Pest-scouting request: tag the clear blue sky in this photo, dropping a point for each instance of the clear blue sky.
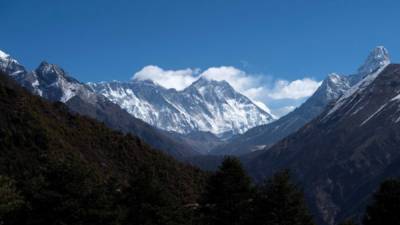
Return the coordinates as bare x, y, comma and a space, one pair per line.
105, 40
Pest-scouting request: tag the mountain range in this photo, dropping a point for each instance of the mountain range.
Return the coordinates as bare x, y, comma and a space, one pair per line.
207, 117
206, 106
178, 122
333, 86
54, 84
342, 155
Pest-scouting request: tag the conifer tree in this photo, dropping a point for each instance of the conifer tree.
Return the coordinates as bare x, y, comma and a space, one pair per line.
385, 207
10, 200
228, 195
279, 201
145, 201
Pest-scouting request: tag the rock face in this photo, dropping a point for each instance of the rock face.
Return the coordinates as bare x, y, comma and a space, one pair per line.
331, 89
206, 106
342, 155
53, 83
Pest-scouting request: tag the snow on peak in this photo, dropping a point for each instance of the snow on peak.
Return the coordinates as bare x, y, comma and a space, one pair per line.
265, 108
4, 55
375, 63
46, 67
204, 82
206, 105
52, 77
334, 77
378, 58
358, 87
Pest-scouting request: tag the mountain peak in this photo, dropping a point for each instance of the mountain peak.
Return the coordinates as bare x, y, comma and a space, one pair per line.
45, 66
4, 55
204, 81
219, 89
377, 58
334, 77
205, 106
52, 71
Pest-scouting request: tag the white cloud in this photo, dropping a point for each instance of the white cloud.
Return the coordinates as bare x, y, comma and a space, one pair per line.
240, 80
296, 89
178, 79
279, 112
261, 89
251, 86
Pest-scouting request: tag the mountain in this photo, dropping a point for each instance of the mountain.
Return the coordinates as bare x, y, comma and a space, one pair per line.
70, 169
262, 137
341, 156
206, 106
53, 83
13, 68
201, 142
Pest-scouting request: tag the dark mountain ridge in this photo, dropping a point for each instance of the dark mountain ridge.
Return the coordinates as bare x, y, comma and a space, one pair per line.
341, 156
263, 137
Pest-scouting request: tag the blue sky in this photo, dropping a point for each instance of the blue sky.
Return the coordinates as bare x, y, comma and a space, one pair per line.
275, 40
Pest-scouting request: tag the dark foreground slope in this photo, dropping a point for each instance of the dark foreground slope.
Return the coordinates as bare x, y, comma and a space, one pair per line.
64, 165
342, 155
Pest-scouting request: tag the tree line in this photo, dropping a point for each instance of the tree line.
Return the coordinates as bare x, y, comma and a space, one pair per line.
67, 194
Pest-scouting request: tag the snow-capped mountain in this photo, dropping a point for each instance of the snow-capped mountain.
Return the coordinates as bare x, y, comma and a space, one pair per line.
10, 65
374, 65
13, 68
48, 80
333, 87
206, 105
378, 58
54, 84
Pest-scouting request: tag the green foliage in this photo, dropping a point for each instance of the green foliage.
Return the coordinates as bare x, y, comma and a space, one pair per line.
11, 202
228, 195
385, 207
146, 202
67, 192
279, 201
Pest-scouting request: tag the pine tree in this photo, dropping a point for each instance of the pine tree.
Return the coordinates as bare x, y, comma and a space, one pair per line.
10, 201
228, 195
279, 201
385, 207
145, 201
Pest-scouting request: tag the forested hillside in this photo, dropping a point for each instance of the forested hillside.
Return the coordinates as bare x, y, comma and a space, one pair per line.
68, 169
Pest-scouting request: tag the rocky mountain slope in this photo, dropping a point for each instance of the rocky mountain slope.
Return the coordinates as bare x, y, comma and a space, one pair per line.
206, 106
341, 156
261, 137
